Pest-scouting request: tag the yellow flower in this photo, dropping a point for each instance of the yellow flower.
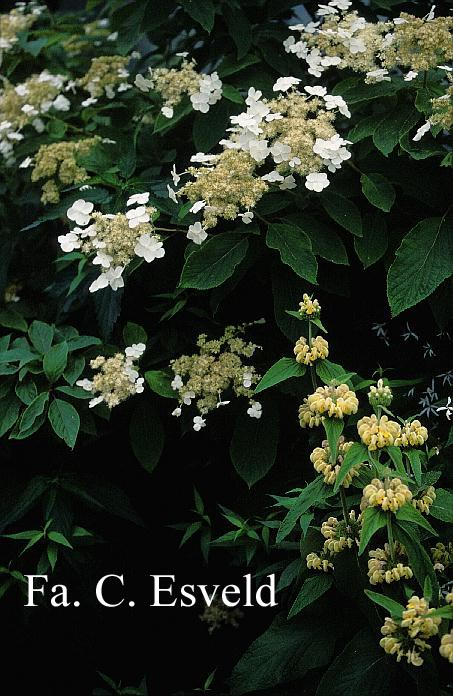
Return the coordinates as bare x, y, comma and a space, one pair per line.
407, 637
412, 434
334, 402
320, 459
339, 535
390, 494
380, 395
316, 562
426, 500
442, 555
308, 307
381, 568
376, 433
446, 646
307, 418
307, 354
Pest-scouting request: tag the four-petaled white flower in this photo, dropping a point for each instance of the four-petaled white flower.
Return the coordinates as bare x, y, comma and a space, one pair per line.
288, 183
61, 103
411, 75
247, 379
142, 83
136, 216
80, 212
69, 242
316, 91
283, 84
138, 199
172, 194
149, 247
27, 162
102, 259
317, 181
198, 423
255, 410
167, 111
280, 152
176, 383
196, 233
89, 101
85, 384
111, 278
136, 350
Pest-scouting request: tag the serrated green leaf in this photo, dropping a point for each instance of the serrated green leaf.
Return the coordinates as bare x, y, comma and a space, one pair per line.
295, 249
311, 590
378, 190
55, 361
283, 369
214, 261
64, 420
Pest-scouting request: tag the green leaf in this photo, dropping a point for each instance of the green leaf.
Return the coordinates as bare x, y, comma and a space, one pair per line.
313, 588
373, 245
328, 371
146, 435
363, 129
214, 261
9, 410
239, 29
201, 12
55, 361
284, 652
414, 459
35, 409
253, 447
64, 420
128, 21
295, 249
356, 454
41, 335
334, 428
11, 319
397, 458
52, 555
313, 494
393, 126
422, 262
442, 508
325, 241
283, 369
407, 513
209, 128
361, 668
160, 383
378, 190
59, 538
79, 342
418, 559
134, 333
26, 391
395, 609
343, 211
374, 519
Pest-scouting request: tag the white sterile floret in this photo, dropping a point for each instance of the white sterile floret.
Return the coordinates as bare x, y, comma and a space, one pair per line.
175, 176
176, 383
167, 111
246, 217
89, 101
112, 277
422, 130
280, 152
138, 199
288, 183
69, 242
198, 423
85, 384
258, 149
197, 206
333, 102
27, 162
149, 247
136, 350
136, 216
187, 397
411, 75
316, 181
378, 75
177, 412
80, 212
255, 410
316, 91
142, 83
196, 233
61, 103
283, 84
201, 158
272, 177
172, 194
247, 380
103, 259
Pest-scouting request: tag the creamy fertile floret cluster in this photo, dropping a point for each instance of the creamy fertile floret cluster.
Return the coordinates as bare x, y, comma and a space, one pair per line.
172, 83
268, 144
112, 241
57, 163
21, 18
217, 368
320, 458
383, 568
25, 104
116, 378
344, 39
107, 75
407, 638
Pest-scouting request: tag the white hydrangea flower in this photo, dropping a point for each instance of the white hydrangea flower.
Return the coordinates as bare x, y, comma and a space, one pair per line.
177, 412
135, 351
89, 101
283, 84
176, 383
138, 199
112, 278
167, 111
280, 152
422, 130
80, 212
334, 102
272, 177
187, 397
288, 183
172, 194
68, 242
247, 380
61, 103
142, 83
137, 216
102, 259
246, 217
149, 247
198, 423
316, 91
258, 149
27, 162
317, 181
196, 233
85, 384
255, 410
197, 206
378, 75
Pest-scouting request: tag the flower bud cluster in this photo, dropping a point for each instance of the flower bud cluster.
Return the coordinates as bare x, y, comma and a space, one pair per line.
380, 395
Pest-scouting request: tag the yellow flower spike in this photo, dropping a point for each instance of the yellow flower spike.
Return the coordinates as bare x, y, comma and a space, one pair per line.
376, 432
390, 494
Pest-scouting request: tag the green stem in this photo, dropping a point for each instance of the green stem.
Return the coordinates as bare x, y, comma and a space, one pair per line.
390, 536
312, 368
344, 505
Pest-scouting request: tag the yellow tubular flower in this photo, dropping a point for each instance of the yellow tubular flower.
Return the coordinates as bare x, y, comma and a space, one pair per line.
315, 562
390, 494
307, 419
376, 433
307, 354
308, 307
442, 555
407, 638
413, 434
426, 500
338, 534
334, 402
381, 569
446, 646
320, 459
